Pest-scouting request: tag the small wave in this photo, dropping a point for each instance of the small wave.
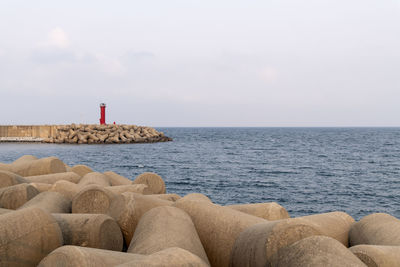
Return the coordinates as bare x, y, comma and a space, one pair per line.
325, 174
280, 172
305, 168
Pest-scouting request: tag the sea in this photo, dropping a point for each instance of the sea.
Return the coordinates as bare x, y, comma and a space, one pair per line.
306, 170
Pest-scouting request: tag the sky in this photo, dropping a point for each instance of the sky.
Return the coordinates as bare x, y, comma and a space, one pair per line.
278, 63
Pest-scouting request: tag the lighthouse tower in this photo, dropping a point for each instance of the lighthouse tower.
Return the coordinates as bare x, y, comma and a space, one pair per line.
102, 113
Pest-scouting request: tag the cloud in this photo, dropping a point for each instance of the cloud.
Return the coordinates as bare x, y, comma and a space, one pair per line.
52, 55
57, 38
54, 49
138, 56
269, 74
110, 65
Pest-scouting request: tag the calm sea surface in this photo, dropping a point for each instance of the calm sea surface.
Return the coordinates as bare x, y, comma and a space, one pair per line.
307, 170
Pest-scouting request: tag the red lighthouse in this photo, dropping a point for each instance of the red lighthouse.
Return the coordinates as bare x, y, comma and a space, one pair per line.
102, 113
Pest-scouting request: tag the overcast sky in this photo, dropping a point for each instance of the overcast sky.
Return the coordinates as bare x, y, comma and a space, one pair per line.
201, 63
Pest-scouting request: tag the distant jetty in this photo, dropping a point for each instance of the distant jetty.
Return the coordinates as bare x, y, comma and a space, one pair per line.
81, 134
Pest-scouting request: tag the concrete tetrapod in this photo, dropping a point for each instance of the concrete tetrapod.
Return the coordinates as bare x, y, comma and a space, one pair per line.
170, 257
15, 196
166, 227
81, 170
76, 256
333, 224
217, 226
96, 199
25, 158
316, 251
41, 187
65, 188
54, 177
128, 213
36, 167
116, 179
7, 166
270, 211
374, 256
90, 230
94, 178
256, 245
27, 236
67, 167
51, 202
153, 181
8, 179
4, 211
134, 188
169, 197
196, 197
376, 229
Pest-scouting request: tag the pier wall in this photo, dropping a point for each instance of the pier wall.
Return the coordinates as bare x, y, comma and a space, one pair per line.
36, 131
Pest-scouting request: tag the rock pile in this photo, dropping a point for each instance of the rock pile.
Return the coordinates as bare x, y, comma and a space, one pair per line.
105, 134
55, 215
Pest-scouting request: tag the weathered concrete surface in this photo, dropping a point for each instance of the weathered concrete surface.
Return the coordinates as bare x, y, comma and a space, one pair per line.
9, 178
81, 170
196, 197
4, 211
116, 179
65, 188
41, 187
94, 198
36, 131
374, 256
170, 257
335, 224
256, 245
169, 197
166, 227
51, 202
315, 251
27, 236
15, 196
154, 182
217, 226
83, 257
134, 188
270, 211
90, 230
25, 158
54, 177
94, 178
35, 167
128, 213
376, 229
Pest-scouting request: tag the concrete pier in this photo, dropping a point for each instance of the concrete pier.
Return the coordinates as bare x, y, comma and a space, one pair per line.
81, 134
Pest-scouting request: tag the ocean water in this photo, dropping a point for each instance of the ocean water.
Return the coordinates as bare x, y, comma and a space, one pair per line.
307, 170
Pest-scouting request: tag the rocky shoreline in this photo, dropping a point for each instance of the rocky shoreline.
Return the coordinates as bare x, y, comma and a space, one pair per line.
52, 214
105, 134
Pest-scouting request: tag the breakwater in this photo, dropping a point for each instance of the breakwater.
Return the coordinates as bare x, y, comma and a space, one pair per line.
82, 134
75, 216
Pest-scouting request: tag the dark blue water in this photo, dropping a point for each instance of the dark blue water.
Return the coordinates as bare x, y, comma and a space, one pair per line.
307, 170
